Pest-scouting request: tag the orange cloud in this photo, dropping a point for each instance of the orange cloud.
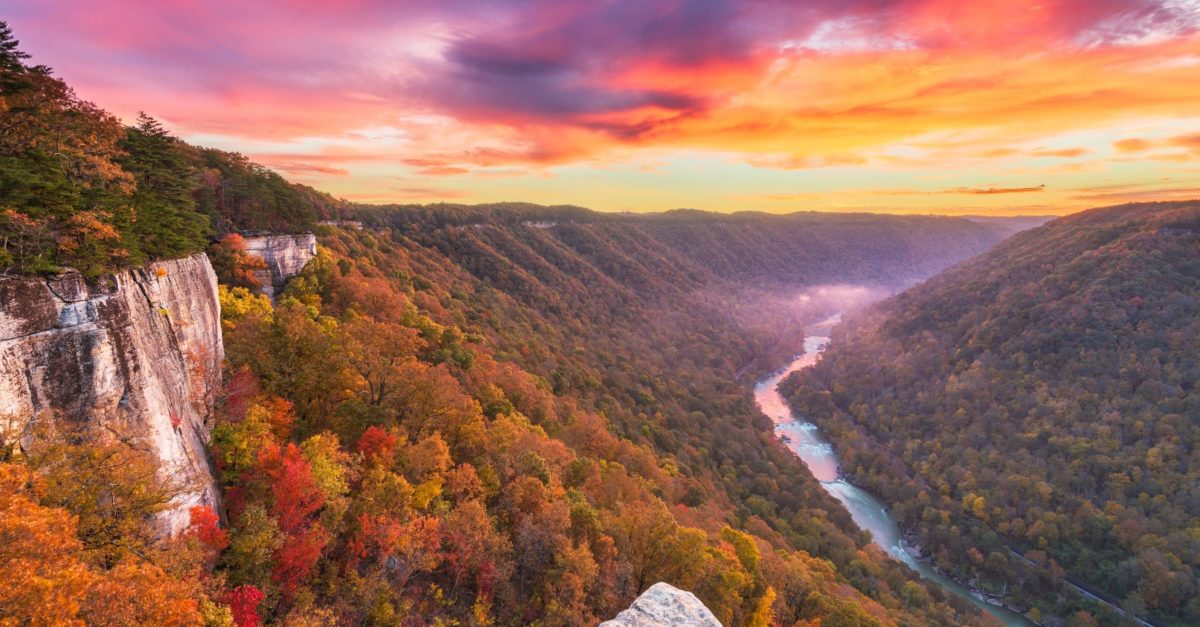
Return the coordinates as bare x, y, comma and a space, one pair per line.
1136, 193
980, 191
994, 190
1132, 144
308, 169
1186, 141
1066, 152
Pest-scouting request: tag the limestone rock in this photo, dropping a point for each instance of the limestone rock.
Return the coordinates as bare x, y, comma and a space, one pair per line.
285, 256
137, 355
664, 604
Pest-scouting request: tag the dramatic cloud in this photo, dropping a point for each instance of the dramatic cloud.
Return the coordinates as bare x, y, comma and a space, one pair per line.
355, 96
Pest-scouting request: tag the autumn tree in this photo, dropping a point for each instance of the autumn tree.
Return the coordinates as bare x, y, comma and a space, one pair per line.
233, 265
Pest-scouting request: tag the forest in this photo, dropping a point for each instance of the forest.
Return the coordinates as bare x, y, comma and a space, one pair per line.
503, 415
1035, 409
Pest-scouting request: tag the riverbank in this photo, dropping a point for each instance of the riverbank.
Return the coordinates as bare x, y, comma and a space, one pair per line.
805, 440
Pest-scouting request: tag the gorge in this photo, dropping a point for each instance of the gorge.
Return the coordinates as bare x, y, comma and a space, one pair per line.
805, 440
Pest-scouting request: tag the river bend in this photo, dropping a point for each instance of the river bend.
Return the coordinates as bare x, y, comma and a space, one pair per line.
803, 438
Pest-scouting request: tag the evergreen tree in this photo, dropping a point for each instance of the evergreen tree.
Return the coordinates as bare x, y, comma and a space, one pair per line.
12, 58
164, 222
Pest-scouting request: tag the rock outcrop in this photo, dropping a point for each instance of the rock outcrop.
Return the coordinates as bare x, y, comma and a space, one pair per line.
136, 356
284, 255
664, 604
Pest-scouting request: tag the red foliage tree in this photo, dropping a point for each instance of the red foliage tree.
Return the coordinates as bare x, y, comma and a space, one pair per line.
240, 391
295, 493
206, 526
297, 558
376, 536
243, 603
376, 444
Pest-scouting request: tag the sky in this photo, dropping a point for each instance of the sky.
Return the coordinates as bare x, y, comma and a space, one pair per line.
916, 106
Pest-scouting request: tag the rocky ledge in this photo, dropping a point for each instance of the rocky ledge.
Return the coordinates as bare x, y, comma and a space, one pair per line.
664, 604
284, 255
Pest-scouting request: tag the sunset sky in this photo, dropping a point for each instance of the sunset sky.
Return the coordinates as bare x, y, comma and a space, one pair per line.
947, 106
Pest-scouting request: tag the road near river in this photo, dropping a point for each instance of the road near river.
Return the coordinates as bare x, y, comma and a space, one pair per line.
803, 438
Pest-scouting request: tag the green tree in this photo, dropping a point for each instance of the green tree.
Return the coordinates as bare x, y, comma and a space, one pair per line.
164, 222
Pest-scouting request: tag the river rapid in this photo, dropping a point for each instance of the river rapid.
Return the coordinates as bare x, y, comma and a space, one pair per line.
803, 438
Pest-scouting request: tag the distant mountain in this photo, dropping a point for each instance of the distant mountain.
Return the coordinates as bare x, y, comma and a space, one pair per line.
685, 248
1011, 224
746, 269
1037, 410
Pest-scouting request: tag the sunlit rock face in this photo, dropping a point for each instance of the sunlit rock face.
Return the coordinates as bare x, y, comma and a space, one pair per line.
285, 255
135, 356
664, 604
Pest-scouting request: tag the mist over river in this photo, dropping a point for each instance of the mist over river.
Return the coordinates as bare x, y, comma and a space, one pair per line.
806, 441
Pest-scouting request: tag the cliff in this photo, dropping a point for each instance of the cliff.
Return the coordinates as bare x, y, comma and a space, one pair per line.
284, 255
664, 604
137, 355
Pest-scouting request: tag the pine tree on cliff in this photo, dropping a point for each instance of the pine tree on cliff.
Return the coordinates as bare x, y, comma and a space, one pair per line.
165, 222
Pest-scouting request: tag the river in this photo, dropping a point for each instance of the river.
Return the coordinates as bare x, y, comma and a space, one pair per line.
803, 438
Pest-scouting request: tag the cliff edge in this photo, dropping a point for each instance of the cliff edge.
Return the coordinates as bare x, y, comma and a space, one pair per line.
138, 354
285, 256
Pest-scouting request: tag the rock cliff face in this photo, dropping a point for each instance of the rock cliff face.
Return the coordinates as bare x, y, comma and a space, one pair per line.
664, 604
136, 356
285, 255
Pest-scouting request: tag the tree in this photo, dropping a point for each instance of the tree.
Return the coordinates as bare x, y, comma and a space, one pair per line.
377, 445
57, 158
383, 354
243, 603
296, 560
12, 58
135, 592
295, 495
233, 265
113, 489
205, 525
165, 223
254, 539
45, 580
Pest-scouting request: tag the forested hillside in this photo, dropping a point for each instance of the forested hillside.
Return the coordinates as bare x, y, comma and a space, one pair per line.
1037, 410
516, 434
696, 247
